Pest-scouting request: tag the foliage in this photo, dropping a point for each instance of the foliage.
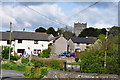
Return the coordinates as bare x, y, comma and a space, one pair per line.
92, 32
68, 34
5, 52
40, 29
51, 31
15, 58
92, 60
52, 63
45, 53
74, 63
13, 66
76, 59
115, 30
24, 60
33, 72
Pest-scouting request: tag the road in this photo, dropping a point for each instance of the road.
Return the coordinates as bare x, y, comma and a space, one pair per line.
9, 74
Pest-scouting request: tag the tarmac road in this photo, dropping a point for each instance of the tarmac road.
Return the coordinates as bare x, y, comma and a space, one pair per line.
9, 74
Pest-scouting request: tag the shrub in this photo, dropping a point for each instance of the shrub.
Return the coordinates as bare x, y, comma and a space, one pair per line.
38, 63
33, 72
52, 63
76, 59
15, 58
5, 52
24, 60
13, 66
45, 53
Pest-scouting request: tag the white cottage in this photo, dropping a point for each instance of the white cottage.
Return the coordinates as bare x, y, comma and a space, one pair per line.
80, 43
31, 42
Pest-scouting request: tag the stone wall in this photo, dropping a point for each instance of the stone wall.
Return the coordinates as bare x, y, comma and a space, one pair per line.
63, 74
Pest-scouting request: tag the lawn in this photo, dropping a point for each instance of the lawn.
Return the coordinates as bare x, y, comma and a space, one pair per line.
74, 63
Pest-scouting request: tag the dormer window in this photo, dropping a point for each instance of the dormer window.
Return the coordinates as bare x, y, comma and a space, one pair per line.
19, 41
35, 42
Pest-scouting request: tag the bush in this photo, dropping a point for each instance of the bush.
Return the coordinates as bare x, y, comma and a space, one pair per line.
33, 72
15, 58
52, 63
76, 59
13, 66
24, 60
45, 53
38, 63
5, 52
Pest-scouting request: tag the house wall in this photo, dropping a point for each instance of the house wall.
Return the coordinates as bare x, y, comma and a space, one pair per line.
73, 46
25, 44
59, 46
30, 44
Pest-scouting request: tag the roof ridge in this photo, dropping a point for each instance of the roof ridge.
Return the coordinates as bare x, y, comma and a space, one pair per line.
30, 32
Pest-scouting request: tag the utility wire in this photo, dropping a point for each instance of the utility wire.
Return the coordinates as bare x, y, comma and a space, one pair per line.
86, 8
45, 16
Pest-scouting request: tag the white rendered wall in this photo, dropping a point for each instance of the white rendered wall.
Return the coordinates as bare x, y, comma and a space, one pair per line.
30, 44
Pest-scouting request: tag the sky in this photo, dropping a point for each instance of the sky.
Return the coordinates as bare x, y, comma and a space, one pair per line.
31, 15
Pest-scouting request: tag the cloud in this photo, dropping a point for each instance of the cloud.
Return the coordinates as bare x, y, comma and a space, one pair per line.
47, 15
53, 15
98, 17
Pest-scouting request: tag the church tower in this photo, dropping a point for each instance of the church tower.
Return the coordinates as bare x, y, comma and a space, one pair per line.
78, 27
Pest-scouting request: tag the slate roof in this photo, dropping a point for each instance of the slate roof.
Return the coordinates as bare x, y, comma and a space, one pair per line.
88, 40
25, 36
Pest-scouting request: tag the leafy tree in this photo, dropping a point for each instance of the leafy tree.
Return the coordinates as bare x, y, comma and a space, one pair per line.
51, 31
5, 52
92, 32
68, 35
40, 29
92, 60
60, 31
45, 53
115, 30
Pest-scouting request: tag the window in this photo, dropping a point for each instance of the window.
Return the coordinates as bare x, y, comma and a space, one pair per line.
19, 41
20, 50
87, 43
8, 41
35, 42
42, 45
37, 51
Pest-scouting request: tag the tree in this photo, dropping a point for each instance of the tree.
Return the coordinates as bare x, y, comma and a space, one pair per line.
92, 32
92, 60
115, 30
51, 31
40, 29
68, 35
5, 52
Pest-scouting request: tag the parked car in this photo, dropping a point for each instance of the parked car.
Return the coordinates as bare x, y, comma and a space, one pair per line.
72, 55
62, 56
66, 53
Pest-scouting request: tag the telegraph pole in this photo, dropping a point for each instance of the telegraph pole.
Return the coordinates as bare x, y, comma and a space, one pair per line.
105, 63
10, 41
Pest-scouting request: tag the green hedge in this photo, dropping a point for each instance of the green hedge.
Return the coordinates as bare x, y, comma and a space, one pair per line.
35, 72
52, 63
13, 66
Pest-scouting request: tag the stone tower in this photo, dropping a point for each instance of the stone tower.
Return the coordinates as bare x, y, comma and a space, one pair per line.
78, 27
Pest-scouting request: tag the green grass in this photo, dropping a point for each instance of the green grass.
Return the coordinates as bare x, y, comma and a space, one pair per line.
13, 66
74, 63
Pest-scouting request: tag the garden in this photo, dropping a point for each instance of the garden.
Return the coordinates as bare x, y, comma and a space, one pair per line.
34, 68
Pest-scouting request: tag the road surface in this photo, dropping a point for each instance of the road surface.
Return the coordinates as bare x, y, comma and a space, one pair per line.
9, 74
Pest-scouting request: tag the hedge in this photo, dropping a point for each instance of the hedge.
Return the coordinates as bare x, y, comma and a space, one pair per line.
44, 62
35, 72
